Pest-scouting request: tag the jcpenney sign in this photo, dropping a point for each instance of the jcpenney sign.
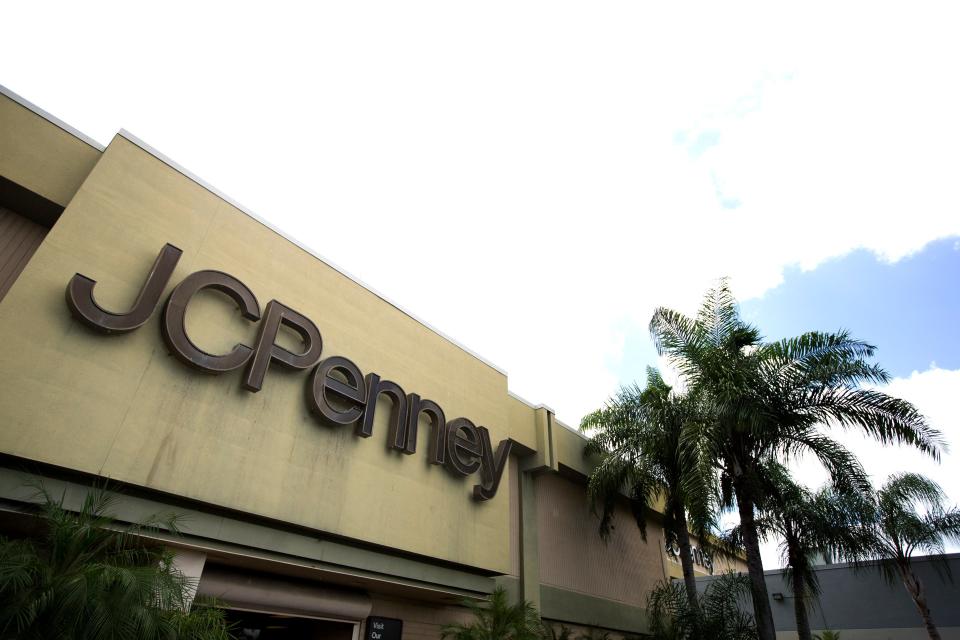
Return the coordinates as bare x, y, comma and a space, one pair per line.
700, 557
337, 391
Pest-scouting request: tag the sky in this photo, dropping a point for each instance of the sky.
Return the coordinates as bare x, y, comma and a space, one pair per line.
534, 178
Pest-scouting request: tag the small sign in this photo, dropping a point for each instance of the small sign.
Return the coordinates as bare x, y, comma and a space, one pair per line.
384, 629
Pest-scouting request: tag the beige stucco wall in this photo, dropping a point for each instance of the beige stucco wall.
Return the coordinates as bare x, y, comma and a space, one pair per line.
522, 420
120, 406
569, 449
37, 154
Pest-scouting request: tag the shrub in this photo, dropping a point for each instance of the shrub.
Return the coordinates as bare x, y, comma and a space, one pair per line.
87, 576
719, 618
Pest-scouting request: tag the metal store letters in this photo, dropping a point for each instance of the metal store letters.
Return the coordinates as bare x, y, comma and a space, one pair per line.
337, 391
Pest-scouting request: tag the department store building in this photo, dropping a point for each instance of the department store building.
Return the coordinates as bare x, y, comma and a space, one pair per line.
344, 469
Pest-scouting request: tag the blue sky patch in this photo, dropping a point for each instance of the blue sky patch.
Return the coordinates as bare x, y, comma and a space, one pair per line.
909, 309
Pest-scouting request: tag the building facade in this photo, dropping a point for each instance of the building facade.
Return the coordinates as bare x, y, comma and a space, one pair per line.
861, 604
337, 459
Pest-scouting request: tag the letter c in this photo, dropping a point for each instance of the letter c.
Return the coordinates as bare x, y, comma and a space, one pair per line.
174, 313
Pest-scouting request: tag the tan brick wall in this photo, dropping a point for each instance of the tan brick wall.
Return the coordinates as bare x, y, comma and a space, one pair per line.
573, 556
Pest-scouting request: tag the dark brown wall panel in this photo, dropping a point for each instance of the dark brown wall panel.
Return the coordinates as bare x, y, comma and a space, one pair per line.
19, 238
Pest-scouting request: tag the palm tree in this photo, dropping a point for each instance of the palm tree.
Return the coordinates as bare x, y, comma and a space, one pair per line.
86, 576
892, 530
807, 524
498, 620
637, 436
770, 402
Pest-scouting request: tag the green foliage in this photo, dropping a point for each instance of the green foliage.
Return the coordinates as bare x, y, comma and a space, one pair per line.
497, 619
563, 632
88, 577
906, 515
637, 436
718, 618
203, 622
771, 400
901, 529
806, 523
827, 635
594, 634
774, 401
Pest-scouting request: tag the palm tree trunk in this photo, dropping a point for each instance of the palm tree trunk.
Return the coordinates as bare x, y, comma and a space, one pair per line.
758, 585
915, 589
799, 592
800, 611
686, 558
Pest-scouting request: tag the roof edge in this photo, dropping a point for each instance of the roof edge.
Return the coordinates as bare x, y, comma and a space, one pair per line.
76, 133
126, 135
46, 115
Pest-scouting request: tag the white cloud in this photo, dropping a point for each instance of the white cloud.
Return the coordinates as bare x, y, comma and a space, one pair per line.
531, 163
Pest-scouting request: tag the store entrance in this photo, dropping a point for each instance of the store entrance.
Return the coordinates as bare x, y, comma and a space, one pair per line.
269, 626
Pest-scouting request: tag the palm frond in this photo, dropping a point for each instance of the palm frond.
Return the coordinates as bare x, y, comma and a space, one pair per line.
887, 419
